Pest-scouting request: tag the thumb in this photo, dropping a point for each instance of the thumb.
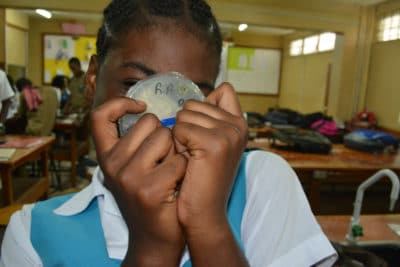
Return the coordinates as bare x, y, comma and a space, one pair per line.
224, 97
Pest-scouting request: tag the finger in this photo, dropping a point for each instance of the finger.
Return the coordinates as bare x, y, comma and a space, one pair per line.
104, 119
129, 143
198, 118
224, 96
154, 149
191, 138
173, 169
209, 109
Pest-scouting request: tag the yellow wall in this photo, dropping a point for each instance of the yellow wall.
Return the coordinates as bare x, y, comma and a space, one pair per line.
2, 37
303, 84
252, 39
17, 26
17, 18
383, 92
383, 89
16, 46
37, 27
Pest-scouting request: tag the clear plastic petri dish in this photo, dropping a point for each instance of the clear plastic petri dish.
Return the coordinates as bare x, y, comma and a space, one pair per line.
164, 95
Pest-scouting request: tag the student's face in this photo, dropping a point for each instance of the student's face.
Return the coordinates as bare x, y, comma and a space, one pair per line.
152, 51
75, 69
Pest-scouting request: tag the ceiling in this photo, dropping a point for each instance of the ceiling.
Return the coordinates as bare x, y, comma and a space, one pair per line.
226, 27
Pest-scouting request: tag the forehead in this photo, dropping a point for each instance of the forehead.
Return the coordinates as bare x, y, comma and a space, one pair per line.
165, 49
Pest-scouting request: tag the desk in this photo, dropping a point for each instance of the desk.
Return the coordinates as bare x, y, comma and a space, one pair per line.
313, 168
375, 227
73, 148
23, 155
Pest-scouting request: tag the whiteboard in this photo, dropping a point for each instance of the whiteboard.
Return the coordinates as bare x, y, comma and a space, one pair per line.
254, 70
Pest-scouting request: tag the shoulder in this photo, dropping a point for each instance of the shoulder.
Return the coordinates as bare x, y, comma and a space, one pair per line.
17, 249
278, 227
268, 168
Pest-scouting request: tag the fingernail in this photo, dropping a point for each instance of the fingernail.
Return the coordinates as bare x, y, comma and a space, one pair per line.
141, 103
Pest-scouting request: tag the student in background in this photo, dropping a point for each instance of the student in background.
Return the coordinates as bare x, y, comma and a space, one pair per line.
13, 109
6, 95
77, 102
39, 106
159, 190
60, 83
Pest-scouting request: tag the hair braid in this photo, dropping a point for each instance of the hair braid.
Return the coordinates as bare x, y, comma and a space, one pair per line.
121, 16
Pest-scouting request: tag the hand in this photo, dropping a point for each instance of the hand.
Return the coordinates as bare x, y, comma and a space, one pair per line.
141, 170
213, 136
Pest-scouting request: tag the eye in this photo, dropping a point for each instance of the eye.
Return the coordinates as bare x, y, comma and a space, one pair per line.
129, 83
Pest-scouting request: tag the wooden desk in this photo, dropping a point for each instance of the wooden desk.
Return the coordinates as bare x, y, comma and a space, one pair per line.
314, 168
74, 148
265, 131
375, 227
23, 155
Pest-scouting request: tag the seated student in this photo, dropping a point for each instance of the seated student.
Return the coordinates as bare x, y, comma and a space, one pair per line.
39, 106
60, 83
15, 100
132, 213
6, 95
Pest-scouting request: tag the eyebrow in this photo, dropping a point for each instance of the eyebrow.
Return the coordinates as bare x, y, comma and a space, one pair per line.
148, 71
139, 66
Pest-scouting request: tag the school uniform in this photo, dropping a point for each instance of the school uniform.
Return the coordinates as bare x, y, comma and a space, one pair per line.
40, 121
268, 212
77, 100
6, 92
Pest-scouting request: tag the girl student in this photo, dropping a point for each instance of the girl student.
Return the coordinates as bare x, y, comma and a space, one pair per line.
232, 209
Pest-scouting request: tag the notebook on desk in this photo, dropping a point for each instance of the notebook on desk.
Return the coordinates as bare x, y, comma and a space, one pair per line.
22, 142
6, 153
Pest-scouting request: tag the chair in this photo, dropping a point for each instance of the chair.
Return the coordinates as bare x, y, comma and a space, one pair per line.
72, 143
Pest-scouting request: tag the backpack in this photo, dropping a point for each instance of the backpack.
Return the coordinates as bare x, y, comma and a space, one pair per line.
371, 141
325, 127
282, 116
301, 140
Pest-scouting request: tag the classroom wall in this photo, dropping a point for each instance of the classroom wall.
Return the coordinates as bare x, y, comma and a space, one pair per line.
313, 15
2, 37
37, 27
17, 18
304, 82
383, 89
17, 26
343, 18
254, 102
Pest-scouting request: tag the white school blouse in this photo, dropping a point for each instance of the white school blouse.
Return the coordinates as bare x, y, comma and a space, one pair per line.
278, 227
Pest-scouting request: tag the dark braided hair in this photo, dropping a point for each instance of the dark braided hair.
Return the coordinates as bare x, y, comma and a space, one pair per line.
122, 16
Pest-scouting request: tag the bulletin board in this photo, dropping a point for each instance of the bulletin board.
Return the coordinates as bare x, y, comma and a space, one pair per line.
254, 70
58, 49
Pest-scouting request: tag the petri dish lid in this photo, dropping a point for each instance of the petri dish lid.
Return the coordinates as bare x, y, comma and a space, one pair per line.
164, 95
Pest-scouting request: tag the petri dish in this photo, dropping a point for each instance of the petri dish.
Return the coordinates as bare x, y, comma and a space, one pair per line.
164, 95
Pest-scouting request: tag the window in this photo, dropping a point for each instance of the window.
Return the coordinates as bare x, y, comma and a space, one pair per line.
310, 44
296, 47
326, 41
313, 44
389, 28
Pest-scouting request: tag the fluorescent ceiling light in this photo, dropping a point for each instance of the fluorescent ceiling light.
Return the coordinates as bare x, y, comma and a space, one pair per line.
242, 27
43, 12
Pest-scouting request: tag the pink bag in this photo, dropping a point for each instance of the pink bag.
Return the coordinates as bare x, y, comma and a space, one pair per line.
325, 127
32, 97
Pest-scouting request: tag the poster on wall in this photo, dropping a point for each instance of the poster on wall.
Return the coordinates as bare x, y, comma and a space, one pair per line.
58, 49
254, 70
